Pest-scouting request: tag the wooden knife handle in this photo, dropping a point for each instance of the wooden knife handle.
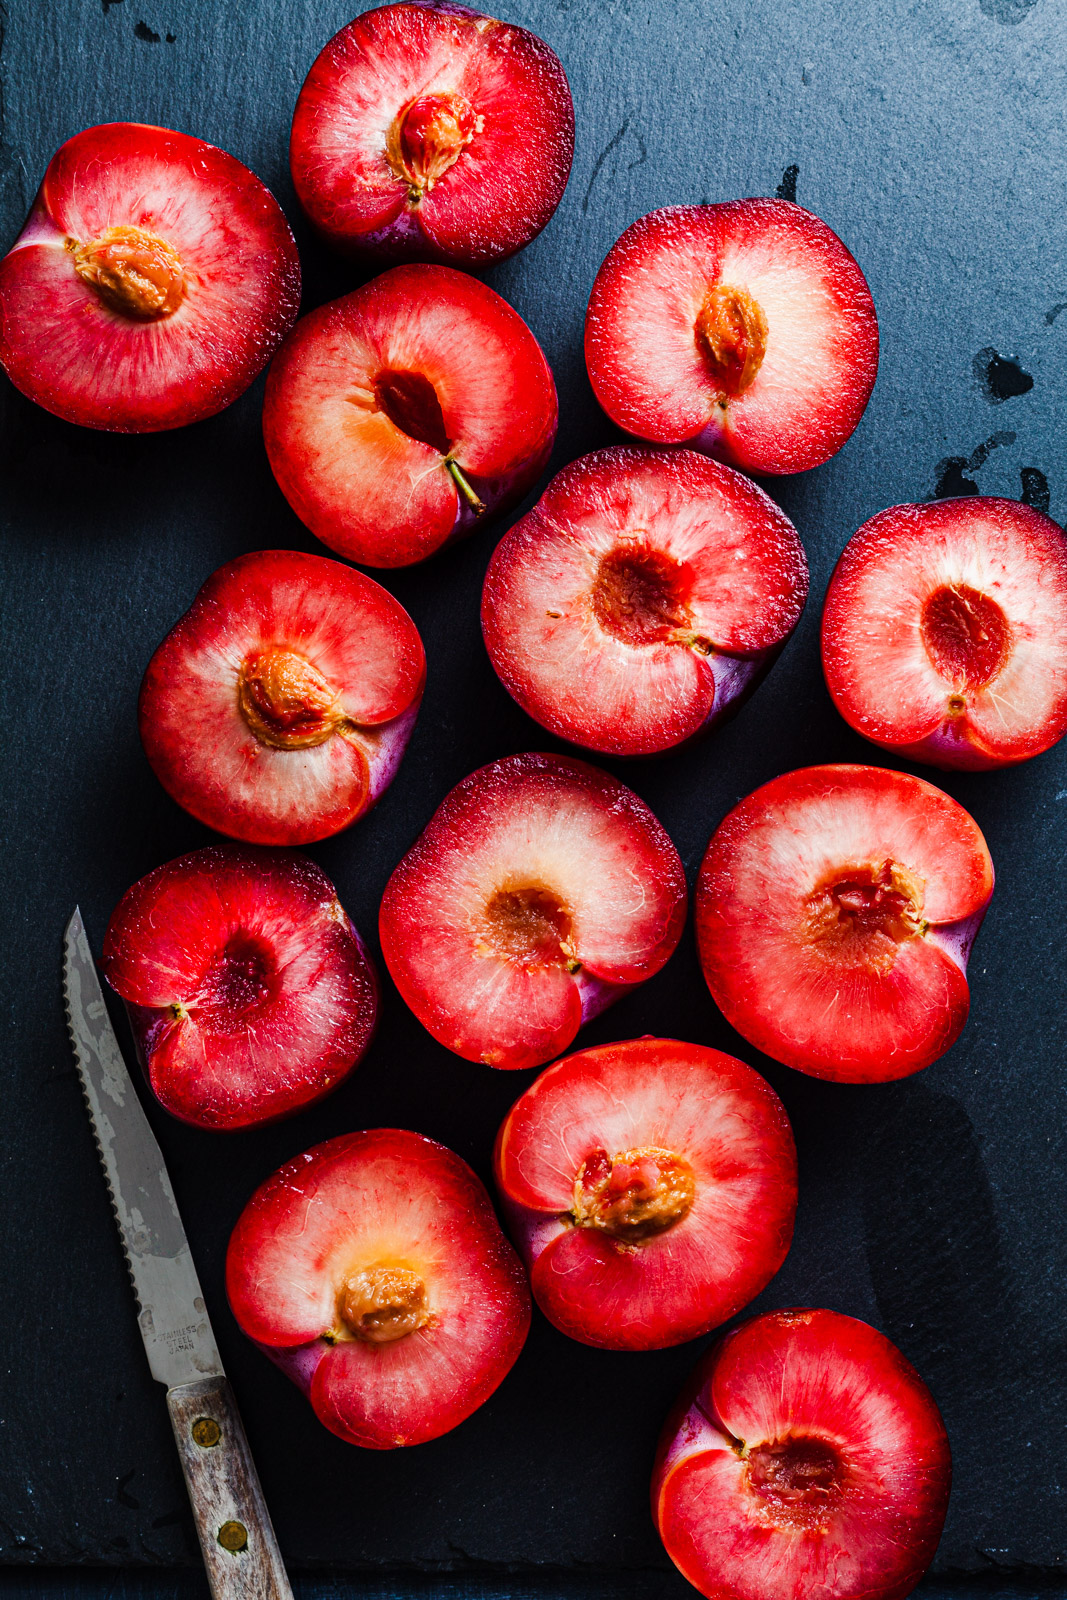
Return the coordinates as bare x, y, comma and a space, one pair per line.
240, 1551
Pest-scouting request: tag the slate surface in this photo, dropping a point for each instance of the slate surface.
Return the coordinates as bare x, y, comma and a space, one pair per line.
929, 134
139, 1583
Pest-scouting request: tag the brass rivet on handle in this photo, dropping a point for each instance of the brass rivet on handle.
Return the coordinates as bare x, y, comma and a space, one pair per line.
233, 1536
206, 1432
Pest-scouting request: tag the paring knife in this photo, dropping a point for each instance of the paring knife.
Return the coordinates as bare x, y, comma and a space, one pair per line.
240, 1551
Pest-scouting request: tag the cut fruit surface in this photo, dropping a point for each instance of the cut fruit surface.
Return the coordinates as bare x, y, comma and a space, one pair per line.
429, 132
643, 594
805, 1457
944, 634
399, 416
539, 891
374, 1271
153, 280
651, 1187
278, 708
249, 991
835, 910
745, 330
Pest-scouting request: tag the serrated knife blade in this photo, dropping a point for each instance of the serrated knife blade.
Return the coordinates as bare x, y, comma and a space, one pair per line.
233, 1524
173, 1319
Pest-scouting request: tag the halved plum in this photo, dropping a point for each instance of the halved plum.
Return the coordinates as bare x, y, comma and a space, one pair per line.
805, 1458
373, 1271
278, 708
249, 992
430, 132
644, 595
152, 281
835, 911
400, 416
540, 890
745, 330
944, 635
651, 1187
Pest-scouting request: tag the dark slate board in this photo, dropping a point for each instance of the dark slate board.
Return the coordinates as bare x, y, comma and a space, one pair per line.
929, 133
139, 1583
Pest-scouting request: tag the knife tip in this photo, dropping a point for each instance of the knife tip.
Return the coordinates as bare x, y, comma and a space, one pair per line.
75, 925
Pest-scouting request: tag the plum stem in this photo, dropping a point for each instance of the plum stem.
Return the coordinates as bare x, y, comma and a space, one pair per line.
477, 506
691, 640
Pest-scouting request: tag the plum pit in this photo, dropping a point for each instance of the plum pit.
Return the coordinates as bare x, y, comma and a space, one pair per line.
428, 137
381, 1304
799, 1479
134, 272
286, 701
731, 333
966, 636
635, 1195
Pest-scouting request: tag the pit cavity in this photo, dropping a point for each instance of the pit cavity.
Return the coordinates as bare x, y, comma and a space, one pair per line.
381, 1304
285, 700
410, 401
866, 911
731, 334
428, 137
799, 1479
637, 596
966, 635
635, 1195
134, 272
530, 926
237, 983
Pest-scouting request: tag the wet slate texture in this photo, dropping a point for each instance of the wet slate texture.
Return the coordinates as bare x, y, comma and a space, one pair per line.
929, 134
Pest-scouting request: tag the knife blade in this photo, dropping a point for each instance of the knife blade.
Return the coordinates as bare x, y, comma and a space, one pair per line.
236, 1536
174, 1322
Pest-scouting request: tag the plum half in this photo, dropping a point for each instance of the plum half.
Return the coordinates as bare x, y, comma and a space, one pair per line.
835, 911
651, 1187
152, 281
805, 1458
248, 989
278, 708
642, 598
540, 891
431, 132
944, 633
744, 329
399, 417
373, 1272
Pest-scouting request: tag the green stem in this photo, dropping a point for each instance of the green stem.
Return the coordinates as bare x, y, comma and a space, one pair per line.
691, 640
477, 506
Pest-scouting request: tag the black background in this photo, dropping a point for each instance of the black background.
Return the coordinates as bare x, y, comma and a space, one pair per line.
929, 134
